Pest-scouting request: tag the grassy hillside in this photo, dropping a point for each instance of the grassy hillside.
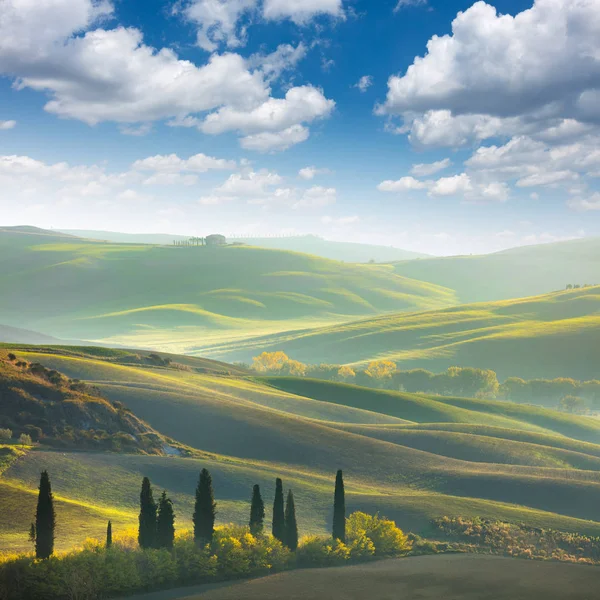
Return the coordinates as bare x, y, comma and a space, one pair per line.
65, 413
543, 336
421, 408
515, 273
246, 432
174, 298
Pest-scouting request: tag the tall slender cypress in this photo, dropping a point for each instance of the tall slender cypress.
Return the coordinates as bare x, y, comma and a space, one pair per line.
45, 519
339, 509
109, 535
291, 526
147, 529
278, 529
32, 534
205, 509
257, 512
165, 524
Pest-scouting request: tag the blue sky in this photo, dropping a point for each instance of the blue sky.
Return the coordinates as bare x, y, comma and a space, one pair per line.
439, 126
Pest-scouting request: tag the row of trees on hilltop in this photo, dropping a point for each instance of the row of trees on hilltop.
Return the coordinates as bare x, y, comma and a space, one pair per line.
563, 393
156, 527
385, 374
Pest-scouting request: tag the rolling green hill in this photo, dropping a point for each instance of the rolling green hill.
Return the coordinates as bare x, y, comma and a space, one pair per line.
544, 336
514, 273
176, 297
411, 457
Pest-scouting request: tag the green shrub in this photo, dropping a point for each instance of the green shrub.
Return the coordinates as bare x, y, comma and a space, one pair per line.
387, 539
25, 439
195, 564
319, 551
5, 435
239, 553
519, 540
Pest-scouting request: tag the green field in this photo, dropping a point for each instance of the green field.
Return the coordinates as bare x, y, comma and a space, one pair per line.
514, 273
410, 457
543, 336
177, 298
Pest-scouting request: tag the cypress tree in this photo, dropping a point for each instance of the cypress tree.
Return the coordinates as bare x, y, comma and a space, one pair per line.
45, 519
205, 509
278, 513
165, 524
147, 530
32, 534
257, 512
291, 526
109, 535
339, 509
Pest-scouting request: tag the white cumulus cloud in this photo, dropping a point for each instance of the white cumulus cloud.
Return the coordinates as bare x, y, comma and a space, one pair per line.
585, 204
269, 141
502, 74
456, 185
426, 169
309, 173
301, 11
93, 74
171, 163
316, 197
217, 21
364, 83
404, 184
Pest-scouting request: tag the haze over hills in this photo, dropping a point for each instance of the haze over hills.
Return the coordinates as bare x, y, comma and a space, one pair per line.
400, 452
552, 335
307, 244
24, 336
142, 294
514, 273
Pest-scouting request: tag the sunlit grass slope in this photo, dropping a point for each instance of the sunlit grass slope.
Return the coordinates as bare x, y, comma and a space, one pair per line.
514, 273
77, 288
543, 336
422, 408
301, 432
92, 488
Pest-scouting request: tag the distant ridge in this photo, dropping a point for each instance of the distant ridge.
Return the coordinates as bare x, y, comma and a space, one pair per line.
28, 229
514, 273
75, 288
307, 244
15, 335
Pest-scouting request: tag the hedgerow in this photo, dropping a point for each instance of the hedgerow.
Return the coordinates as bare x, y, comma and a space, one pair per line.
94, 572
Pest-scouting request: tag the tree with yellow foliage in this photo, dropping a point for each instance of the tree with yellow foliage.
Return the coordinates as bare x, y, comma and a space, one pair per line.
381, 369
346, 373
280, 363
270, 362
295, 368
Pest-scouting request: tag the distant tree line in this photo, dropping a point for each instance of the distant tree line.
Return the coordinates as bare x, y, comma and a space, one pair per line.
563, 393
